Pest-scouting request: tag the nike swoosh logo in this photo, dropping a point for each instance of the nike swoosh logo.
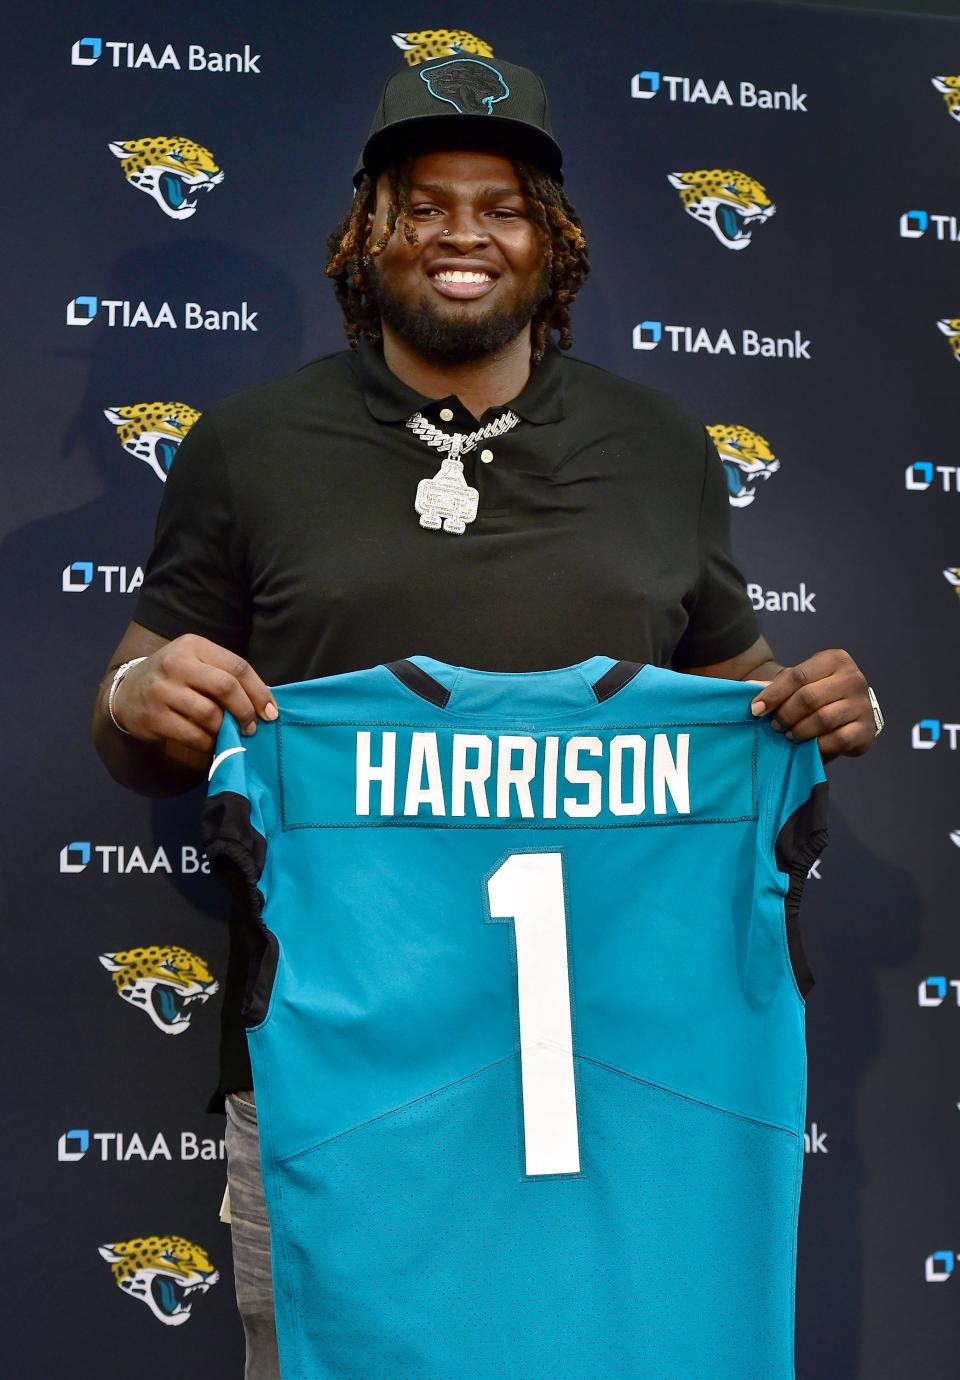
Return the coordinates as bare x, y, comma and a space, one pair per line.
222, 757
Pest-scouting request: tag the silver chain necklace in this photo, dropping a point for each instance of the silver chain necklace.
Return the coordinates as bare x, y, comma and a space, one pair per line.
447, 501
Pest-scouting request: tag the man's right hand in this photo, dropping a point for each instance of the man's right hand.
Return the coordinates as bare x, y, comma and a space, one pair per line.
172, 703
179, 694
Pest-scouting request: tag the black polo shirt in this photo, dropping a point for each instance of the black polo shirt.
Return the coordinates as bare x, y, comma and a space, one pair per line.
287, 532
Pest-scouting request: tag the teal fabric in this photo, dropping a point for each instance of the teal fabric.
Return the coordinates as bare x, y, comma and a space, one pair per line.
408, 1241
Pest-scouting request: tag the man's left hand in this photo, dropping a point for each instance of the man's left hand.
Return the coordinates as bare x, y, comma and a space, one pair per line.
824, 697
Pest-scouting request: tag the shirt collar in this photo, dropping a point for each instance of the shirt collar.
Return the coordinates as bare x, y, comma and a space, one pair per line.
389, 399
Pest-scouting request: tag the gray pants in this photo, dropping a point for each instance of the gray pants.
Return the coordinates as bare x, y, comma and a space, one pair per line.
251, 1238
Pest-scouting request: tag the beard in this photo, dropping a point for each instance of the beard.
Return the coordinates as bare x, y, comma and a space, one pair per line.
456, 336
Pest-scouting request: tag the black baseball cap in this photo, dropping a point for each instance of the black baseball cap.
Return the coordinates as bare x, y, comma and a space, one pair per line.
462, 102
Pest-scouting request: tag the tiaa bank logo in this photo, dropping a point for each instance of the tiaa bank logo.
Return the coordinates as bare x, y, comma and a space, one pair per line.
693, 340
927, 733
172, 172
939, 1267
950, 327
119, 859
84, 309
122, 1146
915, 224
729, 203
685, 90
167, 1273
934, 991
952, 576
152, 431
924, 474
167, 983
949, 88
118, 52
800, 600
79, 576
746, 457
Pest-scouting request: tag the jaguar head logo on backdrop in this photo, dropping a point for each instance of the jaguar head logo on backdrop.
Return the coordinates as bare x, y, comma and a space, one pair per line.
950, 325
166, 983
152, 432
746, 457
949, 88
172, 171
952, 576
728, 202
164, 1272
425, 44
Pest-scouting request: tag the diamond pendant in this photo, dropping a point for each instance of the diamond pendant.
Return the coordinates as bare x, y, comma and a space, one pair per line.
447, 500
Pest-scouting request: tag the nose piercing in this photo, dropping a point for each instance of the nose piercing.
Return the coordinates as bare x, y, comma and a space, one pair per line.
445, 232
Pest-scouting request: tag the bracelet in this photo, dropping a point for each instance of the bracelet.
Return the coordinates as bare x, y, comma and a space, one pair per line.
118, 676
877, 715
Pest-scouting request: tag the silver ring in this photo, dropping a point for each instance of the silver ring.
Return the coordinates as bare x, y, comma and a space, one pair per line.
877, 715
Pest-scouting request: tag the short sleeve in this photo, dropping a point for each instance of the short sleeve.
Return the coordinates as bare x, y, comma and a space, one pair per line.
194, 580
239, 814
238, 820
795, 832
722, 622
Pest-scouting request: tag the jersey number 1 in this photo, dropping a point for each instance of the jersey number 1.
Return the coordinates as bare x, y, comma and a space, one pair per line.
527, 888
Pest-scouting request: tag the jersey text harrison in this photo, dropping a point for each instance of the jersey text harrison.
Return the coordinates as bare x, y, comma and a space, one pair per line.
513, 775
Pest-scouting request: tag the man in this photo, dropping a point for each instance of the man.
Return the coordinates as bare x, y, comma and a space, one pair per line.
452, 485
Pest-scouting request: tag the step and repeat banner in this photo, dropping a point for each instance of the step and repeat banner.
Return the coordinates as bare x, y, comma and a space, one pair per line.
772, 199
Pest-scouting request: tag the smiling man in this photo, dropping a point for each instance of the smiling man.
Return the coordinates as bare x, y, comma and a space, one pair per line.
451, 485
508, 278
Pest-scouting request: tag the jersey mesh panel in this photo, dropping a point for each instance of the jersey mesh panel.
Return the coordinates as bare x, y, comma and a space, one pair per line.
429, 1231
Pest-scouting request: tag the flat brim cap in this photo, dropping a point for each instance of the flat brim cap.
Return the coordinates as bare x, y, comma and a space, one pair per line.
462, 102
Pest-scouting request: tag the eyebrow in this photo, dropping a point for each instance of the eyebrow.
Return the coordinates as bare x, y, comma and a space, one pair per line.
449, 188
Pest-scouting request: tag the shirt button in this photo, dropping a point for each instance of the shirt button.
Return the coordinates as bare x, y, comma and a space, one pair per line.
486, 456
446, 415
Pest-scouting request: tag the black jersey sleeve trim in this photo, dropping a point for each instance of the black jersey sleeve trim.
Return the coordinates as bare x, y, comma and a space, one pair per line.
237, 852
800, 842
619, 675
420, 682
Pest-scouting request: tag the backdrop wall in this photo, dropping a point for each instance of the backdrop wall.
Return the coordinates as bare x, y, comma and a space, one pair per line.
803, 302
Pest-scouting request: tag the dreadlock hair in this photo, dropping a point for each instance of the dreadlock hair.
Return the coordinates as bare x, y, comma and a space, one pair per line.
561, 234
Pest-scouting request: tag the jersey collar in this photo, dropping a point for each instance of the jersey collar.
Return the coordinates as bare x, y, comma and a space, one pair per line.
389, 399
567, 689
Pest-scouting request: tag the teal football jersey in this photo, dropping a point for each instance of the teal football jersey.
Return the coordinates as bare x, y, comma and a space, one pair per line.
526, 1019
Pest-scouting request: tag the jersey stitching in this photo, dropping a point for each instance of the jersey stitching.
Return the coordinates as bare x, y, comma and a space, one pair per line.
536, 727
802, 1093
775, 786
519, 822
291, 1296
280, 778
391, 1111
597, 1063
697, 1101
589, 685
797, 1182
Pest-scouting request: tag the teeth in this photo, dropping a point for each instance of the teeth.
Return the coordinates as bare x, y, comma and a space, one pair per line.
458, 277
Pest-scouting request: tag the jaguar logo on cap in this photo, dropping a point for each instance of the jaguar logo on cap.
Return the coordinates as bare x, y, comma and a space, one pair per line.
450, 94
470, 86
